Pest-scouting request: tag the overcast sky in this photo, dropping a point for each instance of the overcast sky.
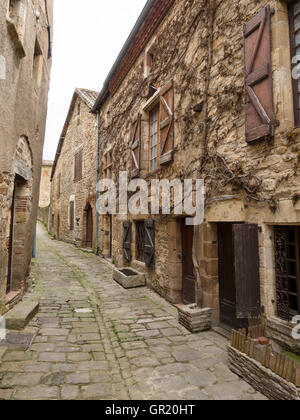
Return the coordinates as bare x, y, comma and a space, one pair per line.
88, 36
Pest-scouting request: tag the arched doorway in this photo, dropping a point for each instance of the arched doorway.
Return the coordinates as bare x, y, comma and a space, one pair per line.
89, 227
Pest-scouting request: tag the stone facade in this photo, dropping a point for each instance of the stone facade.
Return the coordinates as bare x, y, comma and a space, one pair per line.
198, 45
45, 190
25, 63
68, 190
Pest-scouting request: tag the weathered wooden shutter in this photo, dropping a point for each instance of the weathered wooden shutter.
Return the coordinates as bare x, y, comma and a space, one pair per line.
71, 215
80, 154
135, 145
149, 250
76, 167
259, 104
166, 124
246, 264
127, 241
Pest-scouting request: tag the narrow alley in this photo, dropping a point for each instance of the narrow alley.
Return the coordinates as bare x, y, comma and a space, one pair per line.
95, 340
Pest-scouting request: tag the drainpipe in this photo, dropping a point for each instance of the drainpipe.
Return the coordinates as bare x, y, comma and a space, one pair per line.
97, 179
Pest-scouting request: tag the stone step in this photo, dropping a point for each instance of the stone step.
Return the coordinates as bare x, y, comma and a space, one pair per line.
18, 317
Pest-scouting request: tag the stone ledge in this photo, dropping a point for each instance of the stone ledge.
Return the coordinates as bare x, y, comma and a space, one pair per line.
193, 318
20, 315
260, 378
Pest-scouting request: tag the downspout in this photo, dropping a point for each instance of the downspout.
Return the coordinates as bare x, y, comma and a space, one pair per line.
97, 180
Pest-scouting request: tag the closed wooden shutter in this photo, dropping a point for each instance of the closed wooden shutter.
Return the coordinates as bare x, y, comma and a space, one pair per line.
246, 265
78, 165
127, 241
135, 145
166, 124
72, 215
259, 106
149, 251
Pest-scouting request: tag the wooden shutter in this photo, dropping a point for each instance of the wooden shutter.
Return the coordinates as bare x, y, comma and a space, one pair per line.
76, 167
135, 146
127, 241
149, 250
259, 106
71, 215
246, 264
166, 124
80, 154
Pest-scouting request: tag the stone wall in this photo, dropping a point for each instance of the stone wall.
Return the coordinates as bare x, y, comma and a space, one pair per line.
262, 379
199, 46
45, 186
81, 134
23, 107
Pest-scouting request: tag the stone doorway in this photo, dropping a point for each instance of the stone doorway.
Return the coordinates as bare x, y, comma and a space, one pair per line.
89, 227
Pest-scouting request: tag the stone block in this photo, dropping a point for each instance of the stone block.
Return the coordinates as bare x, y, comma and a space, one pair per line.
20, 315
193, 318
128, 278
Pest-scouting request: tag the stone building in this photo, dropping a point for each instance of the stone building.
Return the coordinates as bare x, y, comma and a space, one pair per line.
73, 178
204, 89
25, 63
45, 190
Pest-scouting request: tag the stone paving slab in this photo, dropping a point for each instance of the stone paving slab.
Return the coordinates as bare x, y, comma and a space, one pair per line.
128, 345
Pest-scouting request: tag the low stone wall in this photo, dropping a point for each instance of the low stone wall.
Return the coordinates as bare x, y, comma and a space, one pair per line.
260, 378
281, 332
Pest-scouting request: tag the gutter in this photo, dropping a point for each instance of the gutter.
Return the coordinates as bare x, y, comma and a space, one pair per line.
104, 92
97, 179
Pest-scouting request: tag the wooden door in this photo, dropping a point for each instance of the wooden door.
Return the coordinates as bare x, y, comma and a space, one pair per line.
11, 241
188, 275
89, 228
227, 278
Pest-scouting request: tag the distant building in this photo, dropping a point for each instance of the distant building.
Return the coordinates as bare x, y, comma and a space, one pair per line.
73, 189
25, 64
45, 190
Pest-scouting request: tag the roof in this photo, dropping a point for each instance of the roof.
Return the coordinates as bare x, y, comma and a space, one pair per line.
47, 163
88, 97
149, 20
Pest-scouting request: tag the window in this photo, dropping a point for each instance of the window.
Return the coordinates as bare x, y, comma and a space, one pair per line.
294, 14
71, 214
37, 65
287, 262
140, 241
154, 138
78, 113
78, 166
15, 19
58, 185
107, 165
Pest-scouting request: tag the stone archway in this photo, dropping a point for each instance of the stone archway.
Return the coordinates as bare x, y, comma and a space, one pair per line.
18, 229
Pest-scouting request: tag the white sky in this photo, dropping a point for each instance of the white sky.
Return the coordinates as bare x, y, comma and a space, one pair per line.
88, 36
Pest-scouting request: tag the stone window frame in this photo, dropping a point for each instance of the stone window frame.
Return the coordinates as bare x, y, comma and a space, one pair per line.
108, 164
16, 24
152, 103
294, 48
37, 67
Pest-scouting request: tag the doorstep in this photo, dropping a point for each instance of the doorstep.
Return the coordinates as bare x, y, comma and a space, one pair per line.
18, 317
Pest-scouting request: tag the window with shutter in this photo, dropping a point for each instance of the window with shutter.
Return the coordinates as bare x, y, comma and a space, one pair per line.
166, 124
259, 106
287, 263
246, 265
127, 241
78, 166
135, 146
71, 209
140, 241
149, 248
294, 17
58, 185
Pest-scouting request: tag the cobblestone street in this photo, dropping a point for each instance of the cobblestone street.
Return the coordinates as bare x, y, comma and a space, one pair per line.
95, 340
